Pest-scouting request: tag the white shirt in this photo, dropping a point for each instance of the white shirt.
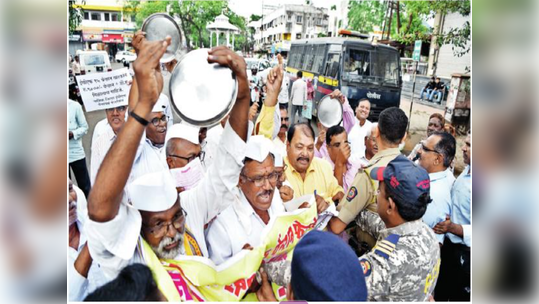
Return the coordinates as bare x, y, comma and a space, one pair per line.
100, 127
280, 145
238, 225
79, 286
283, 93
356, 137
440, 192
299, 92
149, 159
100, 147
75, 66
113, 244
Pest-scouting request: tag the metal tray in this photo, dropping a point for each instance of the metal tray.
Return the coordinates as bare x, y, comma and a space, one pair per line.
202, 93
329, 111
157, 27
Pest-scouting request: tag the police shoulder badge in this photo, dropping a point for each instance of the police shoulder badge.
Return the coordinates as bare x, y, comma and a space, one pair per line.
352, 192
366, 265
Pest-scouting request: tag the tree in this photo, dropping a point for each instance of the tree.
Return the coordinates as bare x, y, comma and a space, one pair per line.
254, 17
75, 14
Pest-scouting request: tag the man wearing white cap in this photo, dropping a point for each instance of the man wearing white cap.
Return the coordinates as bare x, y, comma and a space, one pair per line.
241, 224
149, 158
118, 233
184, 156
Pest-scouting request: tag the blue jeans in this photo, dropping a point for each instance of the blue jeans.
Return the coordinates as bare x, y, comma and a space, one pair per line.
438, 95
423, 90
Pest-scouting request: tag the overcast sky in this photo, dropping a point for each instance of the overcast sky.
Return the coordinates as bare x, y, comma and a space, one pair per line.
247, 7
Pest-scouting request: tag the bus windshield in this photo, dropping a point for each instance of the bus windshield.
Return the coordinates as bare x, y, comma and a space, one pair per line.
374, 67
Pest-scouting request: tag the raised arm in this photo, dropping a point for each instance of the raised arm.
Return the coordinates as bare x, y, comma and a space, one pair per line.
265, 123
105, 197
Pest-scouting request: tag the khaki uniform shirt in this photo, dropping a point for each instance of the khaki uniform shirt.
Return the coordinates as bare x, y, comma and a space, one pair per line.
362, 193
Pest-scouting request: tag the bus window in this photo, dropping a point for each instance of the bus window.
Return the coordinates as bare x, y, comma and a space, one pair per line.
387, 67
308, 57
332, 65
320, 54
357, 62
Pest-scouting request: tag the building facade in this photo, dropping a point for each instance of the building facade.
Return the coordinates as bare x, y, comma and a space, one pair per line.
104, 26
276, 30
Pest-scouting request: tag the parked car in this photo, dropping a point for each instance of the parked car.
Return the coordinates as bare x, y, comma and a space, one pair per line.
94, 61
125, 56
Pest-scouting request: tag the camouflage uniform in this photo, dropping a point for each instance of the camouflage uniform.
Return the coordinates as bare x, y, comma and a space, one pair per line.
404, 264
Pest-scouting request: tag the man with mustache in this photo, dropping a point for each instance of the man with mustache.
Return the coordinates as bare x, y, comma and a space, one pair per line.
309, 174
241, 225
149, 158
100, 147
389, 134
153, 227
344, 167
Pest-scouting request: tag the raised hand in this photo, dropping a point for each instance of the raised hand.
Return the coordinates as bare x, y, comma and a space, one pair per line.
273, 83
148, 77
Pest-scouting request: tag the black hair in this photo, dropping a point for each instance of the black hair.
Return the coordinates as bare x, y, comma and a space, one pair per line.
392, 124
303, 125
363, 99
438, 78
299, 74
333, 131
134, 283
447, 146
283, 106
409, 211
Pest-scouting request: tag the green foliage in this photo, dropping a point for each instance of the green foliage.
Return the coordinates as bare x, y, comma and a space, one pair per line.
364, 15
75, 15
254, 17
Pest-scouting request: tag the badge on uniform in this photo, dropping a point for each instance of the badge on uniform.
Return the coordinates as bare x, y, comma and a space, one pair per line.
366, 265
351, 193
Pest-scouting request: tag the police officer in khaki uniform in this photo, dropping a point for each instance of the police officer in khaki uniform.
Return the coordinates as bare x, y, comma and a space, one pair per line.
405, 262
389, 133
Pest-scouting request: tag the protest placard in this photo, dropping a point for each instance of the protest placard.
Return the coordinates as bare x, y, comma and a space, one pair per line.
101, 91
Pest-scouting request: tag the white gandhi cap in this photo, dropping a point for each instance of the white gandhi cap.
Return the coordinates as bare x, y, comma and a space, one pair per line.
183, 131
258, 148
161, 104
154, 192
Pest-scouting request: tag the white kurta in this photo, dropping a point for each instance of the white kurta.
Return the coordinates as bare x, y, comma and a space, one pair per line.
356, 137
100, 147
238, 225
113, 243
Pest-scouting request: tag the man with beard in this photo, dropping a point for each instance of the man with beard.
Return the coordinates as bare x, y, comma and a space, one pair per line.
309, 174
154, 226
100, 147
435, 156
241, 225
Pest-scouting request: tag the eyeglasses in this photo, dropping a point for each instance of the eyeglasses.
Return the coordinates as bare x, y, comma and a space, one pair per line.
119, 109
259, 181
201, 155
156, 120
338, 145
284, 119
161, 228
424, 148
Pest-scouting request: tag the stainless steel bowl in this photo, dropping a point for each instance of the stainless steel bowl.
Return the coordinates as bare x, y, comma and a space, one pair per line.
329, 111
202, 93
157, 27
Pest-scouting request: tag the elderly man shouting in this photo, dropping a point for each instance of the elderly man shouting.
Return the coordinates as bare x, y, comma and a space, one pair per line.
155, 226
